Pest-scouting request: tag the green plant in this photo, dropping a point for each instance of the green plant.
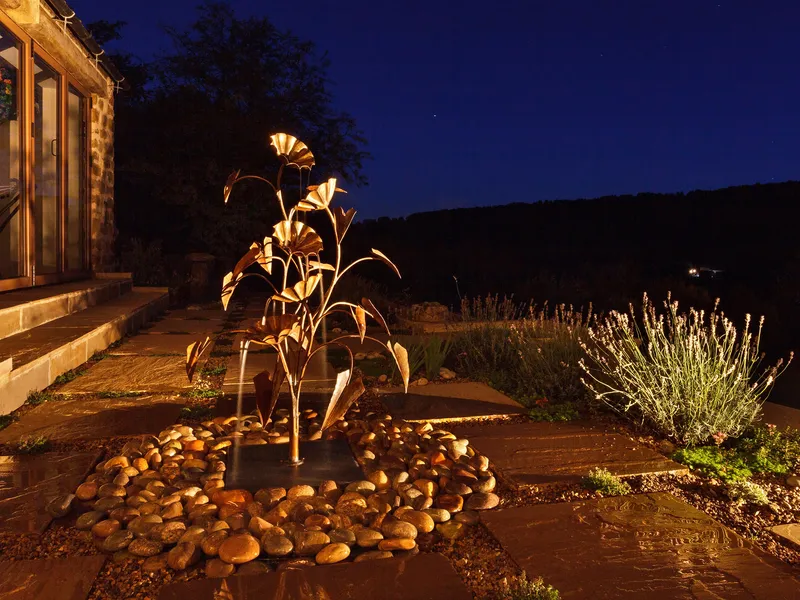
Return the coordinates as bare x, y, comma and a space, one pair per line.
33, 445
714, 461
196, 394
687, 376
747, 492
436, 350
522, 588
196, 413
69, 376
768, 450
545, 411
38, 397
212, 371
119, 394
6, 420
601, 480
492, 309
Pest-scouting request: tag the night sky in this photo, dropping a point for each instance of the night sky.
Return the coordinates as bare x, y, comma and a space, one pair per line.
498, 102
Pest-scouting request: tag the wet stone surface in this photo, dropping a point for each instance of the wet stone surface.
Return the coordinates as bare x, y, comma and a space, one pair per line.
542, 453
422, 577
132, 374
643, 546
29, 483
789, 533
49, 579
419, 407
94, 418
146, 344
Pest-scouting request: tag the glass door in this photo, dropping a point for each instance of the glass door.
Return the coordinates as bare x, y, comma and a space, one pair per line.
47, 168
75, 242
12, 240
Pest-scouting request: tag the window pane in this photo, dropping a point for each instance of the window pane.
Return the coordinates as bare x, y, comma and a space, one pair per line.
11, 248
76, 153
46, 173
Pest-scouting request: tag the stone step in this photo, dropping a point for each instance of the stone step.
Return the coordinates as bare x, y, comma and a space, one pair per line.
21, 310
31, 360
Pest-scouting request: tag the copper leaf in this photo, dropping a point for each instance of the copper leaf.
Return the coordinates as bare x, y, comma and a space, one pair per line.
385, 259
375, 313
193, 353
360, 317
300, 290
343, 220
339, 405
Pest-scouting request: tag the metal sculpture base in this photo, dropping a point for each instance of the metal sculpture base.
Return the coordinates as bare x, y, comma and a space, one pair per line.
267, 465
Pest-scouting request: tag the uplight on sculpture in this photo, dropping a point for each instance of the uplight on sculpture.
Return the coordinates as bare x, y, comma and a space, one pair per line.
289, 261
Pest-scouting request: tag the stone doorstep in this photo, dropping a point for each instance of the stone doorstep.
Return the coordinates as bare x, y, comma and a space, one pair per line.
551, 453
147, 374
789, 534
42, 372
645, 546
421, 577
49, 578
28, 314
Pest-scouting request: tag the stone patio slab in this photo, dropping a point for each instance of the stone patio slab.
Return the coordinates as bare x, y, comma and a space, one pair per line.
49, 578
28, 483
158, 344
132, 374
546, 453
422, 577
465, 390
425, 407
320, 375
779, 415
645, 546
95, 418
194, 326
789, 533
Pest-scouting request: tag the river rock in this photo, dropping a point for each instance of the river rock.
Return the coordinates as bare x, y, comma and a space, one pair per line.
468, 517
89, 519
481, 501
155, 564
450, 502
239, 548
351, 504
368, 538
277, 545
216, 569
60, 506
184, 555
87, 491
144, 547
119, 540
108, 504
333, 553
439, 515
451, 530
373, 555
300, 491
103, 529
398, 529
485, 485
170, 533
421, 521
211, 543
309, 543
397, 544
342, 536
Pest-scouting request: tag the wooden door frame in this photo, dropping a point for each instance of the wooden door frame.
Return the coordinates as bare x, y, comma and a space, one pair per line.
29, 48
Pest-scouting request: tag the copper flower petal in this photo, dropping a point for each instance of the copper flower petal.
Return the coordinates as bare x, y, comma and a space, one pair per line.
193, 353
229, 283
292, 151
320, 197
260, 253
400, 356
339, 404
360, 317
385, 259
373, 312
274, 329
299, 291
229, 184
343, 220
297, 238
268, 386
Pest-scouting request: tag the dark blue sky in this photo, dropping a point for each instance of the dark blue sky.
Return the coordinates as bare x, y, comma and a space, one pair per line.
473, 103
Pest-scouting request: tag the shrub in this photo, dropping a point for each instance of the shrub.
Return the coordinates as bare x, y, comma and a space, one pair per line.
537, 356
436, 350
687, 376
522, 588
713, 461
36, 397
601, 480
33, 445
545, 411
492, 309
768, 450
747, 492
5, 421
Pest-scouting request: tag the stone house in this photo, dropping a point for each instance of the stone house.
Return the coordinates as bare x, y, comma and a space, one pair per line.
56, 146
58, 302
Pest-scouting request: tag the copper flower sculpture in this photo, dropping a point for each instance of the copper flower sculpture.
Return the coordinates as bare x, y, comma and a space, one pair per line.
297, 309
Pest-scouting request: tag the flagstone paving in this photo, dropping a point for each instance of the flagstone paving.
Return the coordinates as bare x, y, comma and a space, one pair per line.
320, 374
132, 374
422, 577
160, 344
466, 390
49, 578
95, 418
544, 453
194, 326
425, 407
789, 533
644, 546
29, 482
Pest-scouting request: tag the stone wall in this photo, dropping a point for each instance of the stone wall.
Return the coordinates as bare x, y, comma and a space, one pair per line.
101, 182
